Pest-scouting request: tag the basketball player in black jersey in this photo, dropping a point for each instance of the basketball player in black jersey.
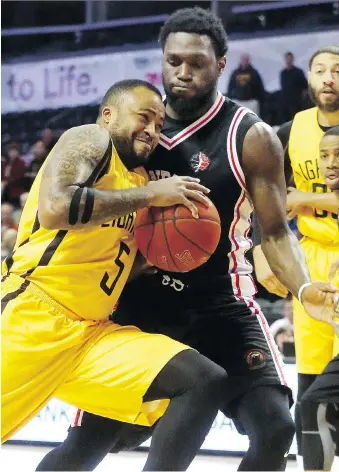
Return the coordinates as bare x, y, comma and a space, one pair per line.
212, 308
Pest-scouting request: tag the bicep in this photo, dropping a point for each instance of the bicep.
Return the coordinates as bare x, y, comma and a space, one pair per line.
71, 163
263, 164
75, 156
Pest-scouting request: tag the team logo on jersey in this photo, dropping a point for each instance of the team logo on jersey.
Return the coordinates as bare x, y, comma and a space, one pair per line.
255, 359
200, 162
185, 257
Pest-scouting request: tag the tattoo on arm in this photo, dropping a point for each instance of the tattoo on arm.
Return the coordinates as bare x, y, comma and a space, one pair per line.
66, 201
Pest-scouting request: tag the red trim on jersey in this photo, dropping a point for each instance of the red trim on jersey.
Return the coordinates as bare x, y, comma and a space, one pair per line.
171, 142
239, 114
235, 242
78, 418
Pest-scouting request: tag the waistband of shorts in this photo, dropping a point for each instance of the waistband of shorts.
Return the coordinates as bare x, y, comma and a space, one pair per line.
36, 291
332, 246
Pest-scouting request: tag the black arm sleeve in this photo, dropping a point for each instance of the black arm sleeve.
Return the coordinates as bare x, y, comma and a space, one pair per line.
283, 134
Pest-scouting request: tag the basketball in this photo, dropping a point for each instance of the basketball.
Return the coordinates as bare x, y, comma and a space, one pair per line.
172, 240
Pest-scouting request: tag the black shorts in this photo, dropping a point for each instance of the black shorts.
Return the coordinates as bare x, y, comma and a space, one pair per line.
232, 333
325, 388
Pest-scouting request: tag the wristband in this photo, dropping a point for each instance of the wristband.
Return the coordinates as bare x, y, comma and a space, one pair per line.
301, 289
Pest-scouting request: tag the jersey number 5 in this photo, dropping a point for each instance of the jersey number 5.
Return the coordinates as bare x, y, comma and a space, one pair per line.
108, 289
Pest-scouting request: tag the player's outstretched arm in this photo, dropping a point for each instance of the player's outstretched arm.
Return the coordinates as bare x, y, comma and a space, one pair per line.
67, 201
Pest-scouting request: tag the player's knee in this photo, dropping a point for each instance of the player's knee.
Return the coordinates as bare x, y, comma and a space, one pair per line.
209, 379
279, 437
282, 433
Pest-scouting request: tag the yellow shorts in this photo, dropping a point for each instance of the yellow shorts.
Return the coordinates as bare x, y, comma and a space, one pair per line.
101, 367
315, 342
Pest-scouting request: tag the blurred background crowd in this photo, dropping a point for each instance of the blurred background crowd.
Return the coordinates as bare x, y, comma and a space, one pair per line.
93, 27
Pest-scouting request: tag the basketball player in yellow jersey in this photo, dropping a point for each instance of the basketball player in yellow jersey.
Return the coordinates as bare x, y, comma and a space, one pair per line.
73, 255
320, 439
317, 208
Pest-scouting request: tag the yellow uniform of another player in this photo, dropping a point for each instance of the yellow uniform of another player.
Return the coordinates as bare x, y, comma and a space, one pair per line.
316, 343
58, 290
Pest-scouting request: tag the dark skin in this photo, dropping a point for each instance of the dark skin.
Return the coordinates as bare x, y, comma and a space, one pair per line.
189, 65
138, 122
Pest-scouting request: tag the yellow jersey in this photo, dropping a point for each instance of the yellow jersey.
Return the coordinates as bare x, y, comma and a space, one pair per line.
86, 269
303, 149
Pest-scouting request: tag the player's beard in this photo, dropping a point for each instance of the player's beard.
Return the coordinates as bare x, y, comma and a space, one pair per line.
327, 107
125, 150
186, 107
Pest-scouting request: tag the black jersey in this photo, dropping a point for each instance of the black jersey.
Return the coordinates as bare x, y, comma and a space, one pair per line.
210, 148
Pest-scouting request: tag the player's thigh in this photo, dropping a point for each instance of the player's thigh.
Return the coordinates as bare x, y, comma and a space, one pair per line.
38, 341
116, 372
236, 336
39, 348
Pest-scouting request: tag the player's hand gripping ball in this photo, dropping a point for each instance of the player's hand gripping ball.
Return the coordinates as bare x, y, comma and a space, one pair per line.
172, 240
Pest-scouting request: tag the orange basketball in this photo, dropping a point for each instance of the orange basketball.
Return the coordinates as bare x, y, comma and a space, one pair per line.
172, 240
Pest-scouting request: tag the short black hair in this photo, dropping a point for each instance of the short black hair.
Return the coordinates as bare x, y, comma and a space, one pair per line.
331, 49
114, 94
334, 131
199, 21
289, 53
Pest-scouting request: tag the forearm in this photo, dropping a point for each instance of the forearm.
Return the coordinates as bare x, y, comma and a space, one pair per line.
287, 261
323, 201
78, 208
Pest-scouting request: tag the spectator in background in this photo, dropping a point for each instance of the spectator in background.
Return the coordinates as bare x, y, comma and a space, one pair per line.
293, 86
18, 211
8, 242
246, 87
282, 330
7, 220
39, 153
48, 138
12, 175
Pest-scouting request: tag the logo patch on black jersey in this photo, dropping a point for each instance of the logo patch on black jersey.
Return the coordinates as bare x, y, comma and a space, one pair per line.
255, 359
200, 162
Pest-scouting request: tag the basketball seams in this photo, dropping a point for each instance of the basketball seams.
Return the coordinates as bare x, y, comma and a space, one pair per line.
153, 231
162, 222
156, 242
186, 237
213, 220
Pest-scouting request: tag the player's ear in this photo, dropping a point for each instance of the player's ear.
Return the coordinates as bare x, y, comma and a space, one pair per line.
221, 64
109, 114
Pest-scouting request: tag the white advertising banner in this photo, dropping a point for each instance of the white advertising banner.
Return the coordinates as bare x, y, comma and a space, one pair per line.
80, 80
51, 425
